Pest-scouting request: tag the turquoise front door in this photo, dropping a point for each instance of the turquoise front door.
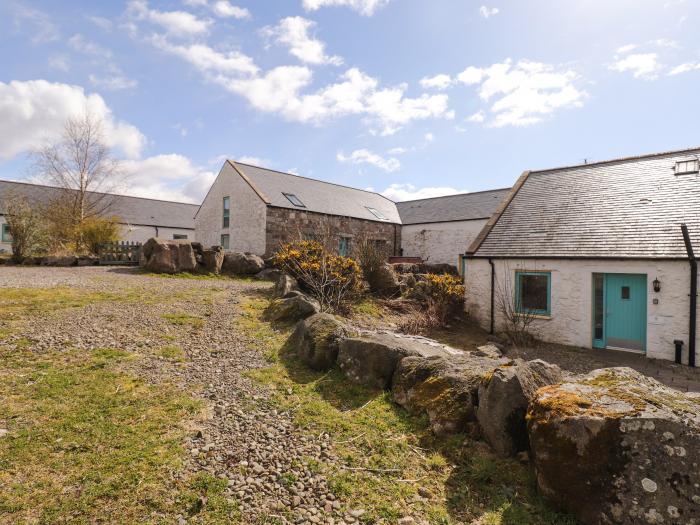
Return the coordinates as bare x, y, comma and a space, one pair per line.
624, 315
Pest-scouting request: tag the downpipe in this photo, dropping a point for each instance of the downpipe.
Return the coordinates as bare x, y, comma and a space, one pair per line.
493, 284
692, 329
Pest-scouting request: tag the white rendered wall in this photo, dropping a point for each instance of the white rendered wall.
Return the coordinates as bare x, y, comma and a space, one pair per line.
440, 242
571, 288
248, 214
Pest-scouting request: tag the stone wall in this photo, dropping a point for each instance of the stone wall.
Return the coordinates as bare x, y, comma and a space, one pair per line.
441, 242
285, 224
247, 219
572, 290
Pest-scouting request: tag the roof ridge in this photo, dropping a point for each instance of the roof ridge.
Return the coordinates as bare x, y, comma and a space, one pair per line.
315, 180
453, 195
619, 159
95, 192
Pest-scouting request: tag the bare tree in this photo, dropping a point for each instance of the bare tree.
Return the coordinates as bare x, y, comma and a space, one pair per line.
82, 165
518, 322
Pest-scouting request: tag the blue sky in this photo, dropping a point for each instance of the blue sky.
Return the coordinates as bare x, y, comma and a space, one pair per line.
411, 98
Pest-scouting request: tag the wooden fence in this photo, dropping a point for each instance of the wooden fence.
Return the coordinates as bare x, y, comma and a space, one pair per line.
123, 252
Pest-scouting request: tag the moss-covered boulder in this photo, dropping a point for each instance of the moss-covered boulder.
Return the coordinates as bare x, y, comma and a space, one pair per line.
445, 388
242, 263
317, 340
284, 284
371, 359
503, 400
615, 446
291, 309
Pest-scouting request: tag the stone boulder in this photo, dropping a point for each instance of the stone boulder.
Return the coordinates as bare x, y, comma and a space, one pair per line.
88, 260
615, 446
268, 274
284, 285
384, 281
291, 309
211, 260
168, 256
317, 340
445, 388
59, 260
503, 401
242, 263
371, 359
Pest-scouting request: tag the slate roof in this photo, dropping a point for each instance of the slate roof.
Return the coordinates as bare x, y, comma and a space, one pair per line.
461, 207
624, 208
131, 210
317, 196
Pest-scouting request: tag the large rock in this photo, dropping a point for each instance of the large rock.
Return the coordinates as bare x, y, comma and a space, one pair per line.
384, 280
211, 260
242, 263
59, 260
284, 285
372, 359
291, 309
503, 401
445, 388
268, 274
317, 340
615, 446
168, 256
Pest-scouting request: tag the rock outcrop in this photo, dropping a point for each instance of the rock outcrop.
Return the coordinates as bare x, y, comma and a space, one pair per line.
615, 446
384, 280
242, 263
503, 400
211, 260
443, 387
372, 359
284, 285
291, 309
168, 256
317, 340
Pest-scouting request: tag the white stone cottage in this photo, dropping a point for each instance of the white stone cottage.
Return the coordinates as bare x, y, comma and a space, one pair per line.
254, 209
596, 253
140, 219
438, 228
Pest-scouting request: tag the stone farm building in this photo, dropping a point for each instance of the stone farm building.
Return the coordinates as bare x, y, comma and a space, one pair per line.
140, 218
595, 254
253, 209
437, 229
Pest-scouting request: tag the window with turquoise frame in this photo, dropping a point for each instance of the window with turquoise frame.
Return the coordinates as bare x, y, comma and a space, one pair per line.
6, 236
344, 246
533, 293
227, 211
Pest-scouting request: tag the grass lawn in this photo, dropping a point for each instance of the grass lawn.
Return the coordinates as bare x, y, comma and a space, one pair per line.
392, 465
86, 442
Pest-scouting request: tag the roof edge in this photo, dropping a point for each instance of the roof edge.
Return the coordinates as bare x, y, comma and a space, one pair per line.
619, 159
302, 210
486, 230
452, 195
245, 177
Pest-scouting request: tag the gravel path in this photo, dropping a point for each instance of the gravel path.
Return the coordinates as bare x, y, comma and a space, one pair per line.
244, 438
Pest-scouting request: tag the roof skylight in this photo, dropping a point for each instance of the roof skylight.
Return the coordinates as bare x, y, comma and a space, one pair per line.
294, 200
686, 166
377, 213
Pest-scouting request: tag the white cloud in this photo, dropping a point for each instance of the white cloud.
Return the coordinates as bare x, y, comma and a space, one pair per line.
169, 177
642, 65
626, 49
429, 137
255, 161
101, 22
479, 116
363, 156
42, 28
293, 32
437, 82
398, 151
177, 23
59, 62
114, 82
364, 7
488, 12
524, 93
279, 90
407, 192
684, 68
224, 9
34, 111
78, 43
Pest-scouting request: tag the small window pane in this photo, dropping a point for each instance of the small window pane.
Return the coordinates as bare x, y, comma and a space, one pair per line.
294, 200
376, 213
6, 236
625, 292
224, 241
227, 212
179, 236
532, 292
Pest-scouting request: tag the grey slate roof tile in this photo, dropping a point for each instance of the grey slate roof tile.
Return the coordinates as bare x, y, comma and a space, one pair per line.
461, 207
318, 196
623, 208
131, 210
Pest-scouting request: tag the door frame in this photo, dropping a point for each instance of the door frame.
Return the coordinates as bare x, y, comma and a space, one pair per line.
603, 343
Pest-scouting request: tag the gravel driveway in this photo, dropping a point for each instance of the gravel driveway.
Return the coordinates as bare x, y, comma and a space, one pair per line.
243, 438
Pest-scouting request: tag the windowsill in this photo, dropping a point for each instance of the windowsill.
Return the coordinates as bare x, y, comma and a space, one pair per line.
538, 316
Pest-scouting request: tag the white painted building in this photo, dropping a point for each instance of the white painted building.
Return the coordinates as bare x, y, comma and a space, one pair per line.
140, 219
595, 253
438, 229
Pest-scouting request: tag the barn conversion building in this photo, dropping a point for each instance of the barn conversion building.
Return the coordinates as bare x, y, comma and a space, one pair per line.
595, 255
